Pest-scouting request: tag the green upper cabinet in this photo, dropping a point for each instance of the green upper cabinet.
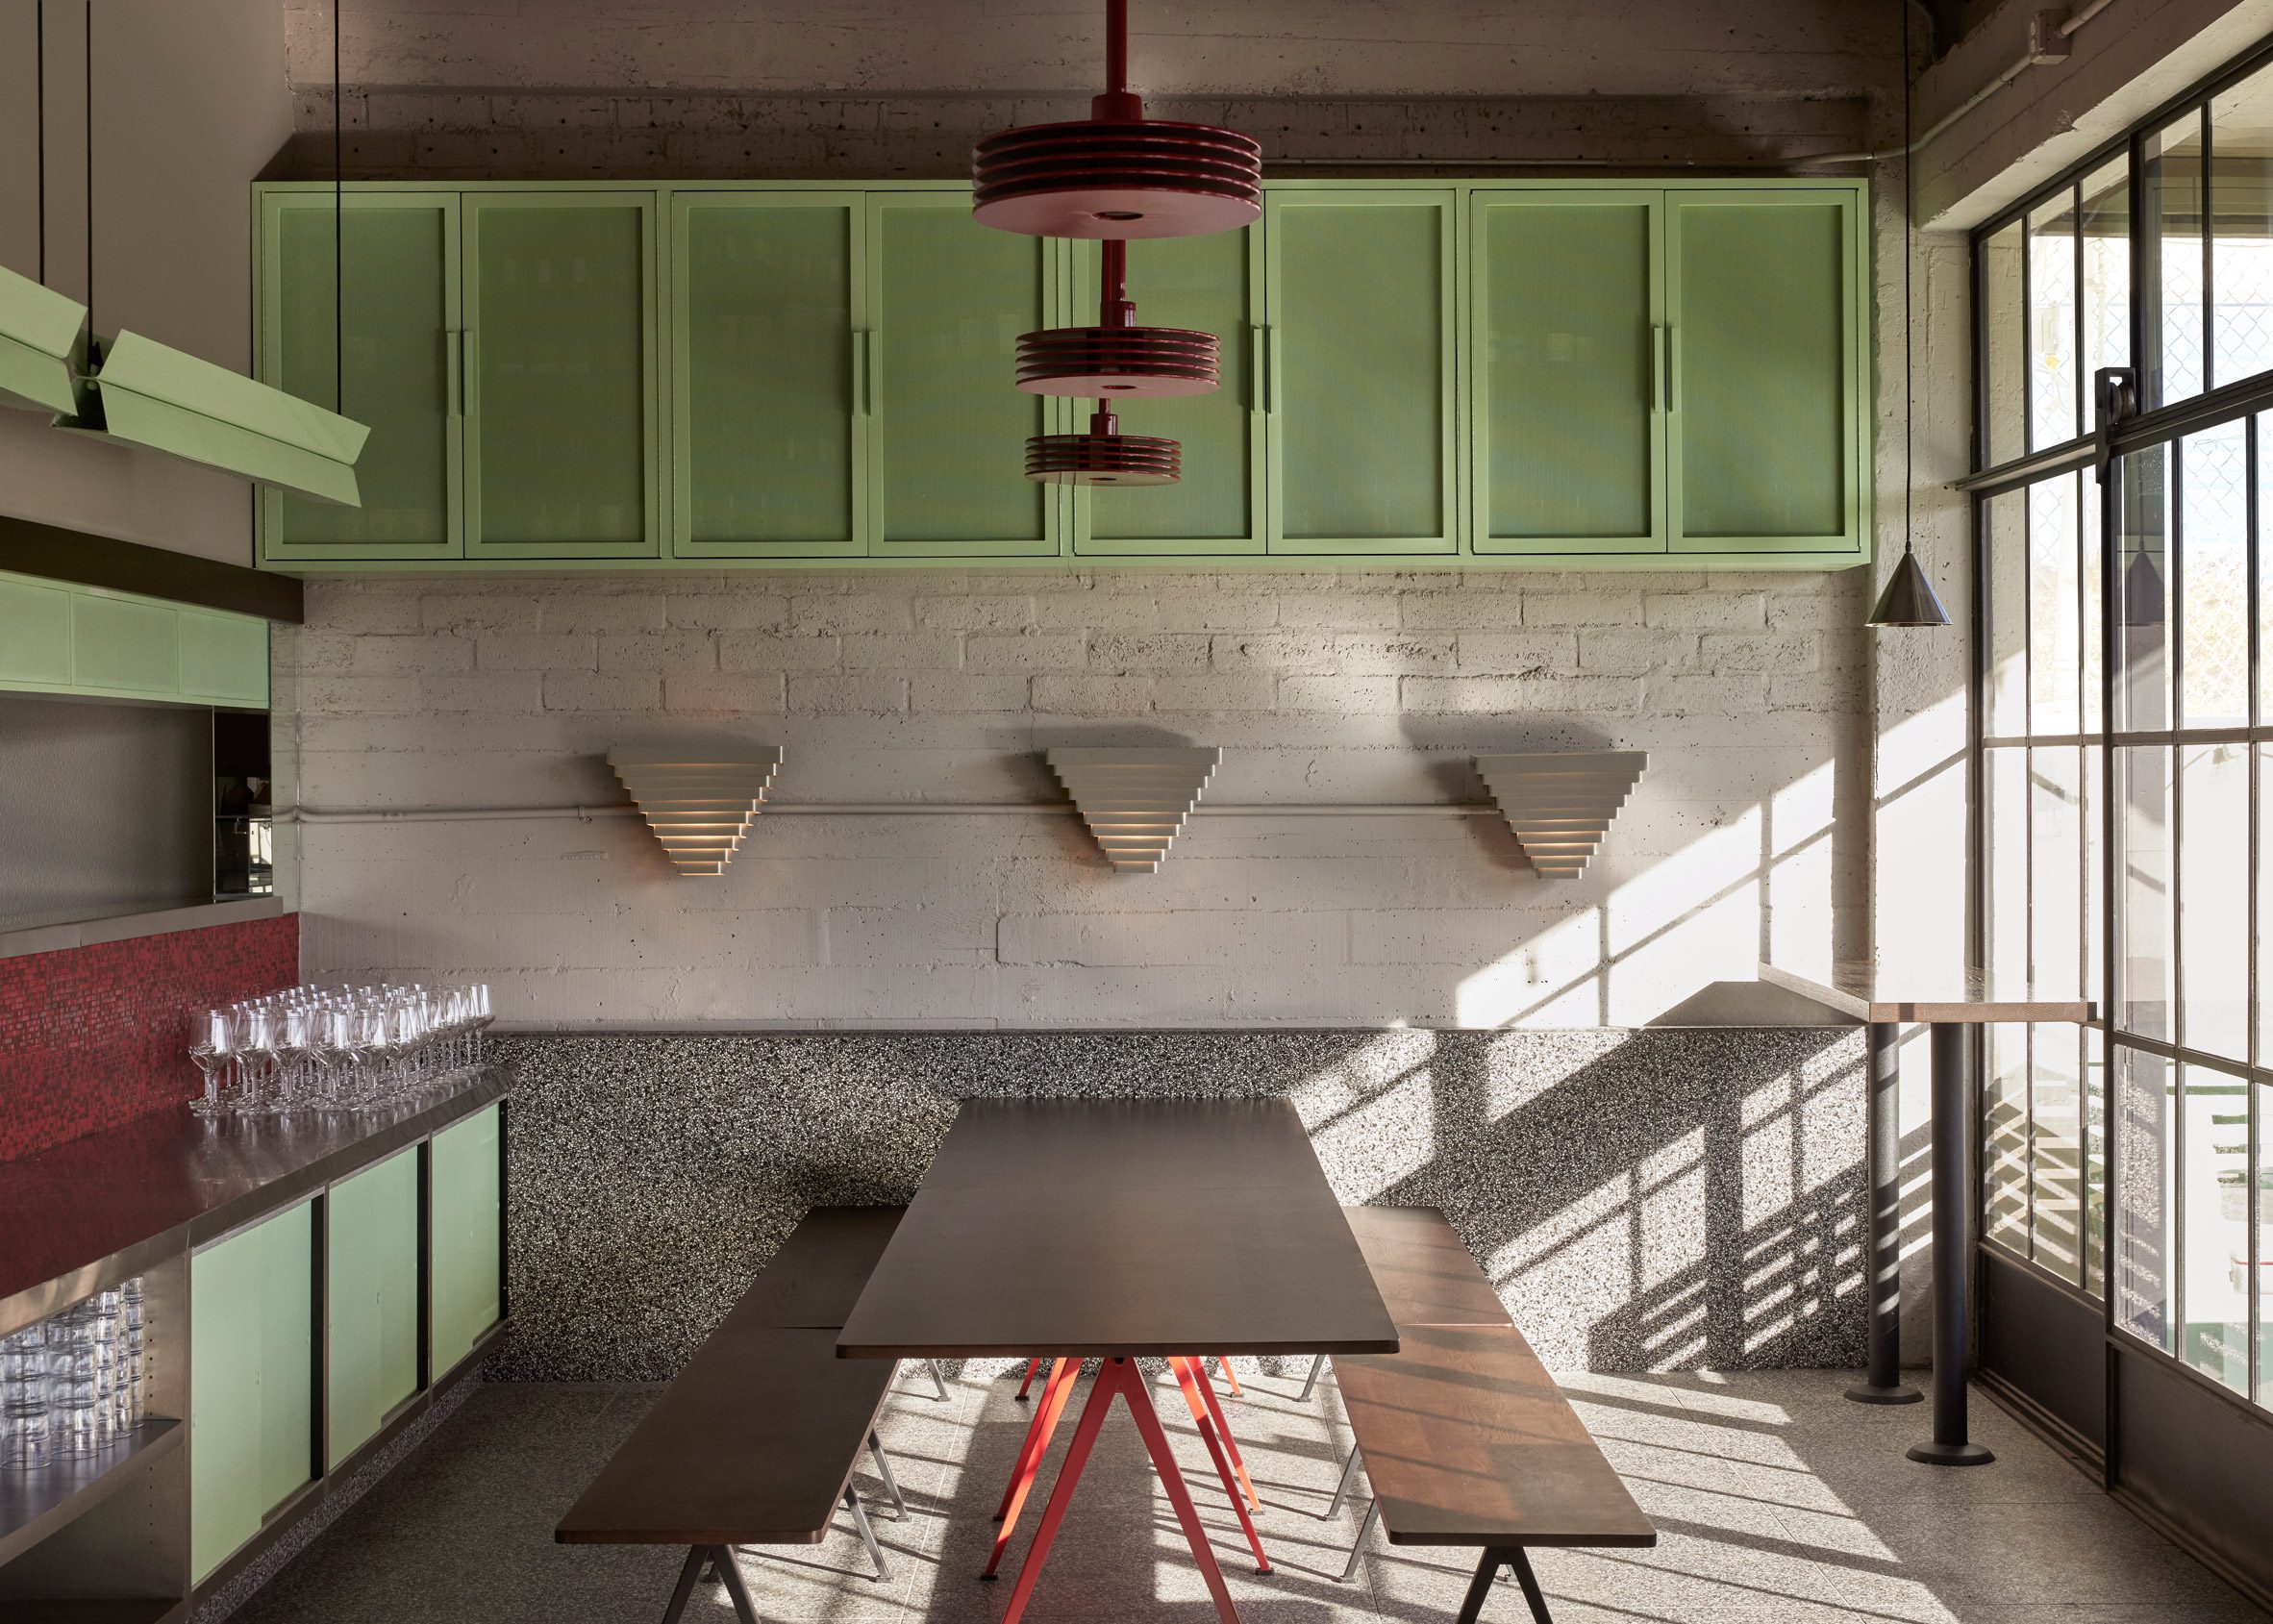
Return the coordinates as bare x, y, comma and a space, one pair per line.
1768, 438
1358, 369
397, 331
1212, 283
947, 299
1566, 379
768, 322
562, 442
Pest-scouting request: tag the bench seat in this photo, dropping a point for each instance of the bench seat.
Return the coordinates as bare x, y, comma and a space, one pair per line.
1423, 1269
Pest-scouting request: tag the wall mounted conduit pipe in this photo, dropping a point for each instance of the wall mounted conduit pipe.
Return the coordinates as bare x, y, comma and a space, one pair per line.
881, 809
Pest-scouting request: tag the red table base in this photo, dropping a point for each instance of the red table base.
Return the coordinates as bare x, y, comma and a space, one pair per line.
1120, 1378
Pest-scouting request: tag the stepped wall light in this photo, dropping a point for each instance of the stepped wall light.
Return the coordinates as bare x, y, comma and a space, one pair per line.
699, 803
1560, 803
1135, 801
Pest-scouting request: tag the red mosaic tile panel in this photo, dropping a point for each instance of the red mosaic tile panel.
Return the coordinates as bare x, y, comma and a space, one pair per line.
94, 1037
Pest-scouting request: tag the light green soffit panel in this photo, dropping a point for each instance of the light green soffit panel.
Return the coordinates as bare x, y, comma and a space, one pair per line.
148, 395
40, 332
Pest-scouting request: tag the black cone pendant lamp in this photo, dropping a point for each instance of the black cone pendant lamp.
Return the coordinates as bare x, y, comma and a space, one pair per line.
1909, 598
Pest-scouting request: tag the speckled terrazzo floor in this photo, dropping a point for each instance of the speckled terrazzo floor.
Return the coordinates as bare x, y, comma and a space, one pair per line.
1777, 1502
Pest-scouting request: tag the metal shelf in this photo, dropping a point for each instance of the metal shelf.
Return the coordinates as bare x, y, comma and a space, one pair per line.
35, 1504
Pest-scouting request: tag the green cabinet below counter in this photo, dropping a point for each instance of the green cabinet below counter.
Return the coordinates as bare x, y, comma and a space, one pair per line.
1416, 374
466, 1218
371, 1301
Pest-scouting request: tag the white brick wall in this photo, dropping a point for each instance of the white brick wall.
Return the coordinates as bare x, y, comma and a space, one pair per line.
1748, 690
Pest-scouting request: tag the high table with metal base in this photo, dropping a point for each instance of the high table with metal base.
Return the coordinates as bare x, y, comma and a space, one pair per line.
1946, 1005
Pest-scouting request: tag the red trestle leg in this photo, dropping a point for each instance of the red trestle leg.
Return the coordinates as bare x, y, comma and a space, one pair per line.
1031, 1366
1119, 1376
1193, 1381
1223, 1426
1056, 1392
1231, 1376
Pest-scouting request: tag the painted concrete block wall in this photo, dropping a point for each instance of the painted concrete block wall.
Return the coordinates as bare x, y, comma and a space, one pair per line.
1748, 834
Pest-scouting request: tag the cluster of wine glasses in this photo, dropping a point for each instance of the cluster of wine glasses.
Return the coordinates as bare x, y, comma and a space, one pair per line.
74, 1384
337, 1048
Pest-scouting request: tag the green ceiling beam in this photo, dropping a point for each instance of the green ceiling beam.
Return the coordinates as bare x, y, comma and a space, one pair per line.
42, 335
147, 394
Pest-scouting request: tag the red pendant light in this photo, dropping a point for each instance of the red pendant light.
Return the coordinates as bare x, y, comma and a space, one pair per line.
1103, 456
1117, 174
1116, 357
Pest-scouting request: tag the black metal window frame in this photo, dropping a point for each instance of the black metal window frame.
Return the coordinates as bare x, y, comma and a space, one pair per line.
2096, 459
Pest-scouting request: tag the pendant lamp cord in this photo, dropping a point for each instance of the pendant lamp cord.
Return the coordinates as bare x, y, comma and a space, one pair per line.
39, 106
338, 234
1910, 163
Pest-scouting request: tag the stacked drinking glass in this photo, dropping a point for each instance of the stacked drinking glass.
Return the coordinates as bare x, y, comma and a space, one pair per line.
72, 1385
336, 1049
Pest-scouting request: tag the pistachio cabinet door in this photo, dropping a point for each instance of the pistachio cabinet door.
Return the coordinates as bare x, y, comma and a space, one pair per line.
1213, 285
947, 300
564, 435
394, 326
768, 408
1770, 420
1360, 369
1566, 387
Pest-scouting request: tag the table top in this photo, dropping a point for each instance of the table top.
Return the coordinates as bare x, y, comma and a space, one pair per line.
1468, 1441
1967, 995
1085, 1228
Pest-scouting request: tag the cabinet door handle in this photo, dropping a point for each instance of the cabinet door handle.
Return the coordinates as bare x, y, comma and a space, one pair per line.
871, 371
1276, 358
1673, 363
454, 363
1657, 369
860, 373
1255, 366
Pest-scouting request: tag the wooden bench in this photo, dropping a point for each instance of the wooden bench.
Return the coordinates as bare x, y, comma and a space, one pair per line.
1468, 1441
1465, 1437
754, 1442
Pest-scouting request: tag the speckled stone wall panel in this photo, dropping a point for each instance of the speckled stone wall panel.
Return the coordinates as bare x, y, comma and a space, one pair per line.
1680, 1198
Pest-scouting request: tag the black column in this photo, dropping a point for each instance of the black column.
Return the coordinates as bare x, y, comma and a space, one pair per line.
1885, 1384
1953, 1253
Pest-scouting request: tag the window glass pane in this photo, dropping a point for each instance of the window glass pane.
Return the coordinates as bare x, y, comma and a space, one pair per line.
2052, 322
2213, 571
2142, 584
2172, 174
2146, 1148
2055, 657
2055, 871
2006, 522
2004, 1139
2003, 328
2264, 1247
2213, 909
2005, 842
2107, 272
2143, 785
2095, 1159
2214, 1244
2241, 253
2056, 1152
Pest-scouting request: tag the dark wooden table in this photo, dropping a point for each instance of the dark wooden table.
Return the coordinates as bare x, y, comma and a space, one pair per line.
1116, 1229
1947, 1004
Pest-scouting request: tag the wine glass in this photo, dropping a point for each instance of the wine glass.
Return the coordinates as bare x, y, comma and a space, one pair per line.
213, 1051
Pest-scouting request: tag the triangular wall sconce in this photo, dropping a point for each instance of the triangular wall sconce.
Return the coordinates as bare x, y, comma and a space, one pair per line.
1560, 803
1135, 801
700, 802
148, 395
43, 337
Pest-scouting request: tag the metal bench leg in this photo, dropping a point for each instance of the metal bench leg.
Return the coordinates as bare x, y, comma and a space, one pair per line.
1318, 1363
884, 1470
1341, 1490
1357, 1548
744, 1609
867, 1533
697, 1558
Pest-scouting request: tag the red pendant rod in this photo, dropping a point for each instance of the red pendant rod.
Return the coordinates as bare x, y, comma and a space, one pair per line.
1117, 104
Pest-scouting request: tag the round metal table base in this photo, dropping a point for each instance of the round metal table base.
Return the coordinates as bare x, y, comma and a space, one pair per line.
1868, 1393
1949, 1454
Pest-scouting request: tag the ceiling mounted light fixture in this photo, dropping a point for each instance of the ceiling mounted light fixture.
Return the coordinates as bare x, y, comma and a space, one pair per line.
1117, 174
43, 333
1114, 357
1909, 598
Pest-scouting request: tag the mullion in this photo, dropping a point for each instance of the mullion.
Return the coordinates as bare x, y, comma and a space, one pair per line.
2082, 378
2082, 1172
2174, 642
2027, 838
2210, 379
2250, 534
